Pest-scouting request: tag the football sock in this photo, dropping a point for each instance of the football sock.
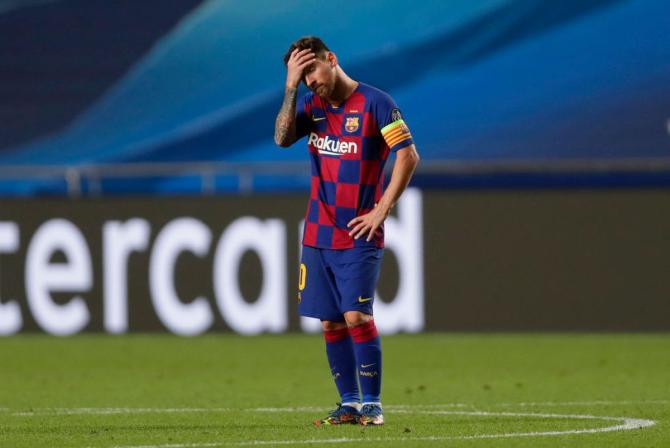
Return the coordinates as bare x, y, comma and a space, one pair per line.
355, 405
368, 350
340, 352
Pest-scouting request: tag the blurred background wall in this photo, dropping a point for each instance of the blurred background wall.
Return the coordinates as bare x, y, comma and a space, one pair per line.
541, 201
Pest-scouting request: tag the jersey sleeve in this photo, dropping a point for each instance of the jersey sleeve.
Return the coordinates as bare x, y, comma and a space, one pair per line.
303, 121
391, 124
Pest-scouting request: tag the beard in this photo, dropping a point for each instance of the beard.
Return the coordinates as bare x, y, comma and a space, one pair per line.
323, 90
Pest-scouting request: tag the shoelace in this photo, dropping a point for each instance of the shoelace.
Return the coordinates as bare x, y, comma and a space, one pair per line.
371, 409
338, 411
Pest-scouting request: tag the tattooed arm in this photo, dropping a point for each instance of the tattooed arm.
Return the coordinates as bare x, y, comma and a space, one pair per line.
285, 133
285, 123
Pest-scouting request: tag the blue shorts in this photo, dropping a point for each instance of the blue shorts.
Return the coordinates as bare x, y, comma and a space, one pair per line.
332, 282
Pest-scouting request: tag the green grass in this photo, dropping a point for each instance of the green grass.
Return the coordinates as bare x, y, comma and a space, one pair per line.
145, 384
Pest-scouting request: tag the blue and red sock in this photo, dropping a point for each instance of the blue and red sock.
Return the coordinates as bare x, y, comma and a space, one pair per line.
342, 361
368, 351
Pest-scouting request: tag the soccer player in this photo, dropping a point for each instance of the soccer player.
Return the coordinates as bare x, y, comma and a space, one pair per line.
352, 128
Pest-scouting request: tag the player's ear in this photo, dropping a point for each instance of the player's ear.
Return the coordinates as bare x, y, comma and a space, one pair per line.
332, 59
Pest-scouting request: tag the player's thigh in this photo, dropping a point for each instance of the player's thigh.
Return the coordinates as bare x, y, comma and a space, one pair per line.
356, 277
317, 293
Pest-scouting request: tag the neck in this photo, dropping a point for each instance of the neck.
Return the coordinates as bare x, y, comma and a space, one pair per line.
344, 87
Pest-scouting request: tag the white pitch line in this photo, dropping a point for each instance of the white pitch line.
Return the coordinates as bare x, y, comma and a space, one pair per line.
113, 411
586, 403
288, 409
391, 407
519, 414
473, 405
626, 424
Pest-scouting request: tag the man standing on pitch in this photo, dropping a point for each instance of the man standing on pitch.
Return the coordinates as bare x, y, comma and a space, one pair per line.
351, 127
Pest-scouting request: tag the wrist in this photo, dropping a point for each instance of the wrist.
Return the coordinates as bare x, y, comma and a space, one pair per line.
384, 208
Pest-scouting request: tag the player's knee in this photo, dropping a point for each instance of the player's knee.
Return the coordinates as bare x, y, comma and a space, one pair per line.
328, 325
356, 318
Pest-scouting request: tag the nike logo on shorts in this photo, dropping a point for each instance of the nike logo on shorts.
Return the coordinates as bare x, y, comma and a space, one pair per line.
362, 299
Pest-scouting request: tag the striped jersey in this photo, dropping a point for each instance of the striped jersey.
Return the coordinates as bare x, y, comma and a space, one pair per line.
348, 147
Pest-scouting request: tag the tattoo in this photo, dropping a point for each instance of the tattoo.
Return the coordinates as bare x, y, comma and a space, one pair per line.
285, 123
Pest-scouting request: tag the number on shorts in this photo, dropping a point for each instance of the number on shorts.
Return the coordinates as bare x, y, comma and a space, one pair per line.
303, 277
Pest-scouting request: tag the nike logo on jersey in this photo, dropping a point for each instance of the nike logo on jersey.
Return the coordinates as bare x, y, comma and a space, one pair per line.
365, 366
318, 118
362, 299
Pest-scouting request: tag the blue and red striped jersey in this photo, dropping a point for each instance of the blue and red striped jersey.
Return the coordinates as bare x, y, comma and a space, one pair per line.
348, 147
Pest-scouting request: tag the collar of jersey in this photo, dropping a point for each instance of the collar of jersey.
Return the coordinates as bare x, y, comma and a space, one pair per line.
340, 109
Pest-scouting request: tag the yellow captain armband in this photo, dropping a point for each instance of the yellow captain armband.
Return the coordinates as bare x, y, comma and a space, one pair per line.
395, 133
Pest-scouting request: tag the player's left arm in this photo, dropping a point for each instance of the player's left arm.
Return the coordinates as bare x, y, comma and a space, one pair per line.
407, 159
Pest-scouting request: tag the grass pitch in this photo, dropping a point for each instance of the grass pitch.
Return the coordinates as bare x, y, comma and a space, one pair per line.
439, 390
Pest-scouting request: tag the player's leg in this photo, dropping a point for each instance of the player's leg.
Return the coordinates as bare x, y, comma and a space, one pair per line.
368, 352
342, 361
356, 279
318, 298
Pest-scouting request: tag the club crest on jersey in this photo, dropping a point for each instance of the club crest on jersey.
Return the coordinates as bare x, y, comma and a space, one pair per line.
352, 124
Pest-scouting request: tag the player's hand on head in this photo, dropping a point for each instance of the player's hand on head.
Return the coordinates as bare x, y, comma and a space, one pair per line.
297, 62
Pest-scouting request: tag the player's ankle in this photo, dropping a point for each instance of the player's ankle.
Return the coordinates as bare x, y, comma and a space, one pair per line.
353, 404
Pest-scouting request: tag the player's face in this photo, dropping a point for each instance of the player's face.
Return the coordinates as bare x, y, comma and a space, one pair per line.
320, 76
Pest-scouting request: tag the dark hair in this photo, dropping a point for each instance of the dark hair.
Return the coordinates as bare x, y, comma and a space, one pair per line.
312, 42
